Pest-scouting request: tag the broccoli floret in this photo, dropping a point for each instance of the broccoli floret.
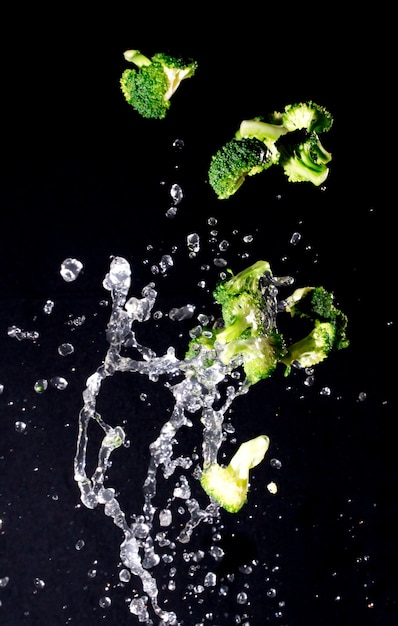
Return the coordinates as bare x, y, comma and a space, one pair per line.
259, 355
249, 332
291, 139
246, 280
303, 157
150, 86
312, 349
231, 164
228, 486
316, 304
308, 116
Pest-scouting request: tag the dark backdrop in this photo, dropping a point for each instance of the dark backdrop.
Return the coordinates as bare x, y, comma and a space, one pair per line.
84, 176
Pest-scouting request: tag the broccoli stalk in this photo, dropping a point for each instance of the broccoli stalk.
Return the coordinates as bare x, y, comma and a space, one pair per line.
151, 84
228, 486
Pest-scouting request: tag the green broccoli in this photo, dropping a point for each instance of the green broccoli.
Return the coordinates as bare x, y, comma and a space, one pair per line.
150, 86
233, 162
291, 138
228, 486
316, 305
249, 336
303, 157
307, 116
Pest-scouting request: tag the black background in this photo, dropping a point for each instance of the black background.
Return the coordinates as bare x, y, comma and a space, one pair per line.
84, 176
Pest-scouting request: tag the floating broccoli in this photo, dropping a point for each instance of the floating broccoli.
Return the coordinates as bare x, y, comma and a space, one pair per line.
234, 161
248, 335
229, 485
150, 85
303, 158
329, 331
290, 138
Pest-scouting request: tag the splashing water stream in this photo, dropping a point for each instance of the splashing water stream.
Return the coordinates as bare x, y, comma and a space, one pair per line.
197, 390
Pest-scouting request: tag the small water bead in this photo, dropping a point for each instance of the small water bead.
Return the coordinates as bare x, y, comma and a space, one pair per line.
165, 263
65, 348
70, 269
182, 313
193, 243
48, 307
39, 583
20, 426
176, 193
1, 388
92, 572
171, 212
271, 593
325, 391
210, 579
165, 517
105, 602
178, 143
242, 597
79, 545
223, 245
40, 385
124, 575
362, 396
220, 262
4, 581
59, 382
295, 238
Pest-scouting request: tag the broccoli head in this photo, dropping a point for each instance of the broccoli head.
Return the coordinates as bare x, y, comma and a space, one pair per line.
303, 157
316, 305
237, 159
150, 85
307, 116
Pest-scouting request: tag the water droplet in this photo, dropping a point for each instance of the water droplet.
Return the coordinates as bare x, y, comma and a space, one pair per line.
105, 602
1, 388
59, 382
295, 238
325, 391
124, 575
275, 463
70, 269
241, 598
40, 385
20, 426
39, 583
48, 307
165, 517
65, 348
176, 193
80, 543
4, 581
193, 242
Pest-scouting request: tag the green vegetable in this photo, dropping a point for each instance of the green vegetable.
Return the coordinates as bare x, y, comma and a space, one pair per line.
149, 86
289, 138
234, 161
303, 158
248, 335
229, 485
329, 331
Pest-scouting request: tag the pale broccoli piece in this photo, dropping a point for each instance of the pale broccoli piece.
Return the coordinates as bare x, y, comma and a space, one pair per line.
228, 486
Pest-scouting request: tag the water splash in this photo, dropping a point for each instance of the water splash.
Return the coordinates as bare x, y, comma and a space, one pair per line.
194, 388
